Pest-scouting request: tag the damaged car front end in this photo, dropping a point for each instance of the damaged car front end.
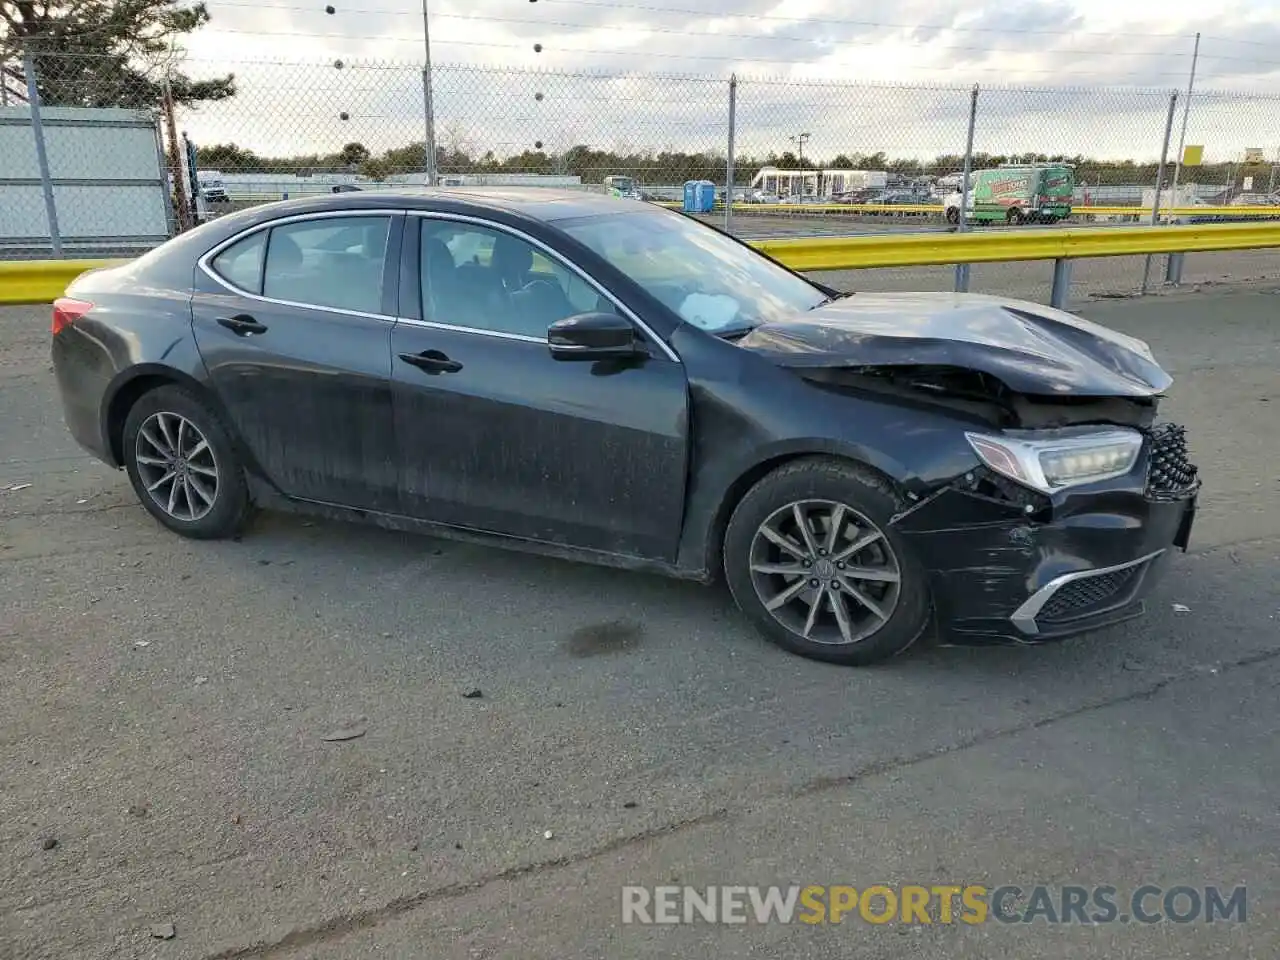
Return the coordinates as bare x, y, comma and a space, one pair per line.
1073, 494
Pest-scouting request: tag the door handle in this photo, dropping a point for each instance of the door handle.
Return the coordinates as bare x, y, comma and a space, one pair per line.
242, 324
432, 361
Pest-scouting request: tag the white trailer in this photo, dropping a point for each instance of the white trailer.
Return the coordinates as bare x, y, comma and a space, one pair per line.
773, 181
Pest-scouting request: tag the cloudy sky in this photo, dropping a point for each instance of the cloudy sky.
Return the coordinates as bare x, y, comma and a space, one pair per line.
653, 74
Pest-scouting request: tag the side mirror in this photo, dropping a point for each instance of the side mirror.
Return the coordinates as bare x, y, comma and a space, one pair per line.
593, 336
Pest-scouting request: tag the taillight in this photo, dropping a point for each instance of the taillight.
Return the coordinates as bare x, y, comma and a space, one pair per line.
66, 311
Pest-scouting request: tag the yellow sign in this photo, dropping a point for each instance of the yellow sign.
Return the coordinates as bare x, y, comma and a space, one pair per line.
1192, 156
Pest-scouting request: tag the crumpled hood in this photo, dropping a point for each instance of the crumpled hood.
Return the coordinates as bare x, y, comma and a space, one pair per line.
1031, 348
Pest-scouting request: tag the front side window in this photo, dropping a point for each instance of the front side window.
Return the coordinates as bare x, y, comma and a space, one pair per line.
486, 279
334, 262
706, 278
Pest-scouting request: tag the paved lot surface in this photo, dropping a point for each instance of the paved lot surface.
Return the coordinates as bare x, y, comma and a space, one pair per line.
164, 705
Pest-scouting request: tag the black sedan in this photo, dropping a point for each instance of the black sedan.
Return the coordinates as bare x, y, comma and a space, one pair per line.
587, 378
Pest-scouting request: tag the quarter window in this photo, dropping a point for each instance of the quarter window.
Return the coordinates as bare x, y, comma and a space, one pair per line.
334, 262
241, 263
486, 279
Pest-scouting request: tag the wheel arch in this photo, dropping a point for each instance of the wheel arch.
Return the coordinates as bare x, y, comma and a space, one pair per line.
891, 472
130, 386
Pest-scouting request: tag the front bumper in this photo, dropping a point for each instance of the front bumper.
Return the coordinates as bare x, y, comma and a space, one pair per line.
1001, 574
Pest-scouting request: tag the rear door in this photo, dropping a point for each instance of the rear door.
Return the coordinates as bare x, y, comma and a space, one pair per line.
293, 321
984, 204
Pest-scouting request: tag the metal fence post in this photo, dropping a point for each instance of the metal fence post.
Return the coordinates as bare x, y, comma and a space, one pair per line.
962, 269
728, 171
1173, 263
1164, 158
42, 155
428, 101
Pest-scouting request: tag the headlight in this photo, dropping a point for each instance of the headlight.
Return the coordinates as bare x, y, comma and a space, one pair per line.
1052, 463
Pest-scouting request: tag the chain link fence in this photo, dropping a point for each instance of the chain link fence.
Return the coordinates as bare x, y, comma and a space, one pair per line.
805, 157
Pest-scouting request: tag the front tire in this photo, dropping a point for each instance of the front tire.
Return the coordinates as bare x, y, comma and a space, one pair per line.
183, 465
811, 557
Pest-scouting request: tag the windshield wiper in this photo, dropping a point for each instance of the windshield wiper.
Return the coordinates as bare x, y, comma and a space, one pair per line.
832, 299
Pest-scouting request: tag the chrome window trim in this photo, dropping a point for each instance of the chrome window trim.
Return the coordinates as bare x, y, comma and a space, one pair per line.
1024, 618
479, 331
205, 262
551, 254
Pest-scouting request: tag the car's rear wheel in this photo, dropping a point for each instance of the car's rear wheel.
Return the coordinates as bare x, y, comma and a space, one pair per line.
183, 465
811, 558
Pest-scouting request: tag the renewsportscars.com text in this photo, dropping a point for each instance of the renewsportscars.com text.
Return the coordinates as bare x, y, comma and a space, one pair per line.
934, 903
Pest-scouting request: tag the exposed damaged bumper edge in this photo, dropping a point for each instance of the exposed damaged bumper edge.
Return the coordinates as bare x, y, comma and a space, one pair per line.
1134, 572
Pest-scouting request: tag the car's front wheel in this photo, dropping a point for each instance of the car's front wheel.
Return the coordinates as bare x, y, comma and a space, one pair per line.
183, 465
810, 556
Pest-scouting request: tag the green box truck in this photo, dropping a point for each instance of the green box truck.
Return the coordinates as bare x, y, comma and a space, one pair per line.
1023, 193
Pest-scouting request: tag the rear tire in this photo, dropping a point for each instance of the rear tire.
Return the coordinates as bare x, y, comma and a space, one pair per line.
845, 587
183, 465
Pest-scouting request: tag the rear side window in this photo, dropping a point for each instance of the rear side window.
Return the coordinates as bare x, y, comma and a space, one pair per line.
241, 263
334, 262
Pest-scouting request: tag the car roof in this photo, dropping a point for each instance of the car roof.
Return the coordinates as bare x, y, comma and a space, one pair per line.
539, 203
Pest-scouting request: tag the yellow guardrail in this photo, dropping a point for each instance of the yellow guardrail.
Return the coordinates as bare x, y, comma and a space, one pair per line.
930, 249
926, 208
41, 281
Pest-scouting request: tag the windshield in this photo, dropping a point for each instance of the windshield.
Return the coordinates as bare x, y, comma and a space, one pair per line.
705, 277
620, 183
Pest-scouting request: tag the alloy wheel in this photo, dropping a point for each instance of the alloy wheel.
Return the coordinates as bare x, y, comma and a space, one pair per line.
825, 572
176, 466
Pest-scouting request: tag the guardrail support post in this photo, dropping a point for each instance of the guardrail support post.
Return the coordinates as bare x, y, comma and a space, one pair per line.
962, 269
1173, 268
42, 155
1061, 284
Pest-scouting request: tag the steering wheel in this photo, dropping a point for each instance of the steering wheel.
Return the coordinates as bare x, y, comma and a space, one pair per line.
545, 282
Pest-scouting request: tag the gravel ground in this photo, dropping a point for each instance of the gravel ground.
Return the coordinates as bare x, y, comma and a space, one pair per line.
166, 703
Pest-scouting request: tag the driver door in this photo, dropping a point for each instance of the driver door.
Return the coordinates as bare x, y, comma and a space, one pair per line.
494, 434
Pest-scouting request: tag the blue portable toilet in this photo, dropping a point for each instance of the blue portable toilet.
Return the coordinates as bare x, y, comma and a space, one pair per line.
706, 196
699, 196
691, 196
